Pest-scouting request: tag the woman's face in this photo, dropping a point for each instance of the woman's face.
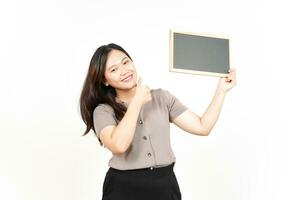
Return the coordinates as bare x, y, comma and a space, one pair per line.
118, 68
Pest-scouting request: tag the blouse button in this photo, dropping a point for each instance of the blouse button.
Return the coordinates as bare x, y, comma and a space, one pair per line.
140, 121
144, 137
149, 154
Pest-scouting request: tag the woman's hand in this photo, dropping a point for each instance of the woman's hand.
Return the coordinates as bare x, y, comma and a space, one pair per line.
226, 83
142, 94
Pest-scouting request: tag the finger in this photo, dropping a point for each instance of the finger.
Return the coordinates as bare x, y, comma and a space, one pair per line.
229, 78
232, 70
140, 81
233, 74
233, 79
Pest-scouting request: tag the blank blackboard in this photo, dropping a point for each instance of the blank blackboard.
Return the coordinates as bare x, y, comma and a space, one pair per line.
198, 53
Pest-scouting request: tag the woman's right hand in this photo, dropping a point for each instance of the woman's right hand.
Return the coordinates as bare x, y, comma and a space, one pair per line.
142, 93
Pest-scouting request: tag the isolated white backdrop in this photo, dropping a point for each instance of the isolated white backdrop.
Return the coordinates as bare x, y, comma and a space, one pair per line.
46, 46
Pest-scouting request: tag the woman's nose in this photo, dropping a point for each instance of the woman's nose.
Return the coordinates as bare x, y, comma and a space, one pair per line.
123, 69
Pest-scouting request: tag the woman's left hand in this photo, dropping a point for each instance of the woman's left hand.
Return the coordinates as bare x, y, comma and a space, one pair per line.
226, 83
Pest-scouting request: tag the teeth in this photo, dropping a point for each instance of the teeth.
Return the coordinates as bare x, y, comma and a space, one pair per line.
128, 78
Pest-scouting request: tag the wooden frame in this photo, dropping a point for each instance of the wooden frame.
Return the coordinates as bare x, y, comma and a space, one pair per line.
189, 71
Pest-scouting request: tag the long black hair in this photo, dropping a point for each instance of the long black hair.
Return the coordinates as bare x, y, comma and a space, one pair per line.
94, 90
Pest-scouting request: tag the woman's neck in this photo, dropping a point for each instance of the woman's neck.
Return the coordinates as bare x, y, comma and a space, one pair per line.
126, 95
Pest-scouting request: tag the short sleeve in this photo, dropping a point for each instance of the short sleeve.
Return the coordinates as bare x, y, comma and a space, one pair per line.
175, 106
103, 116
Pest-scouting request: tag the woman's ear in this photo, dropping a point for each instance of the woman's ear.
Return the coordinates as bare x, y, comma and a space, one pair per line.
105, 82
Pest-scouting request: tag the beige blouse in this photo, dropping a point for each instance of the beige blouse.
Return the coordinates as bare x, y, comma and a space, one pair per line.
150, 146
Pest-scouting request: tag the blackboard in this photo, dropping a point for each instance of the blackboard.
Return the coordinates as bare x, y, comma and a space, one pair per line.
199, 53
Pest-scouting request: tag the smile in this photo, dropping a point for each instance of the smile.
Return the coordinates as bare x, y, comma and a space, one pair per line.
128, 78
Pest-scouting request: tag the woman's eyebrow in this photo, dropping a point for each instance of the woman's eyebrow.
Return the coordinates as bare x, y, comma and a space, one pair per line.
116, 64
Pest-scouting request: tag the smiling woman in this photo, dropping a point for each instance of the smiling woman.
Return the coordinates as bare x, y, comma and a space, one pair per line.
121, 110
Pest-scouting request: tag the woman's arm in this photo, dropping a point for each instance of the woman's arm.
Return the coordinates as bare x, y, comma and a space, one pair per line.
118, 138
192, 123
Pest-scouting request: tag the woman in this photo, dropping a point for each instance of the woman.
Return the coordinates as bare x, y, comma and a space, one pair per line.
133, 122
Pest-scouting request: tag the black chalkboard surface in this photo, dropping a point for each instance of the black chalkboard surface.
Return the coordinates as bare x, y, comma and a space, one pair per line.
198, 53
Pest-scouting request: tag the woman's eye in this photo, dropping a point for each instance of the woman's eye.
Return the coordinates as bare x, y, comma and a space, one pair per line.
112, 70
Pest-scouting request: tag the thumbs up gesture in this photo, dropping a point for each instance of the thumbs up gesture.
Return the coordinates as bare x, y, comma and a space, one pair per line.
142, 93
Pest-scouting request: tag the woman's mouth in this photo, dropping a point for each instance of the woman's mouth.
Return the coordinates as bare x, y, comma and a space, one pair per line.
128, 78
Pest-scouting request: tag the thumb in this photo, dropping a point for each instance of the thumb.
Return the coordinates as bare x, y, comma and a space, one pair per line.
140, 81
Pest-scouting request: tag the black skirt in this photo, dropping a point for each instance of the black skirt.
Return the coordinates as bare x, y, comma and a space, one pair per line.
141, 184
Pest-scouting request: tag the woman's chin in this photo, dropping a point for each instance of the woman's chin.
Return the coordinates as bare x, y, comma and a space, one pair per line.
127, 86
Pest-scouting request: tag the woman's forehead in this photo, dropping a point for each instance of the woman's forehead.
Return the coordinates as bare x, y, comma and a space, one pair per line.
115, 57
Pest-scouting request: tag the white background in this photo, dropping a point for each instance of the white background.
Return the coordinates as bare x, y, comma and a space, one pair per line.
45, 49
